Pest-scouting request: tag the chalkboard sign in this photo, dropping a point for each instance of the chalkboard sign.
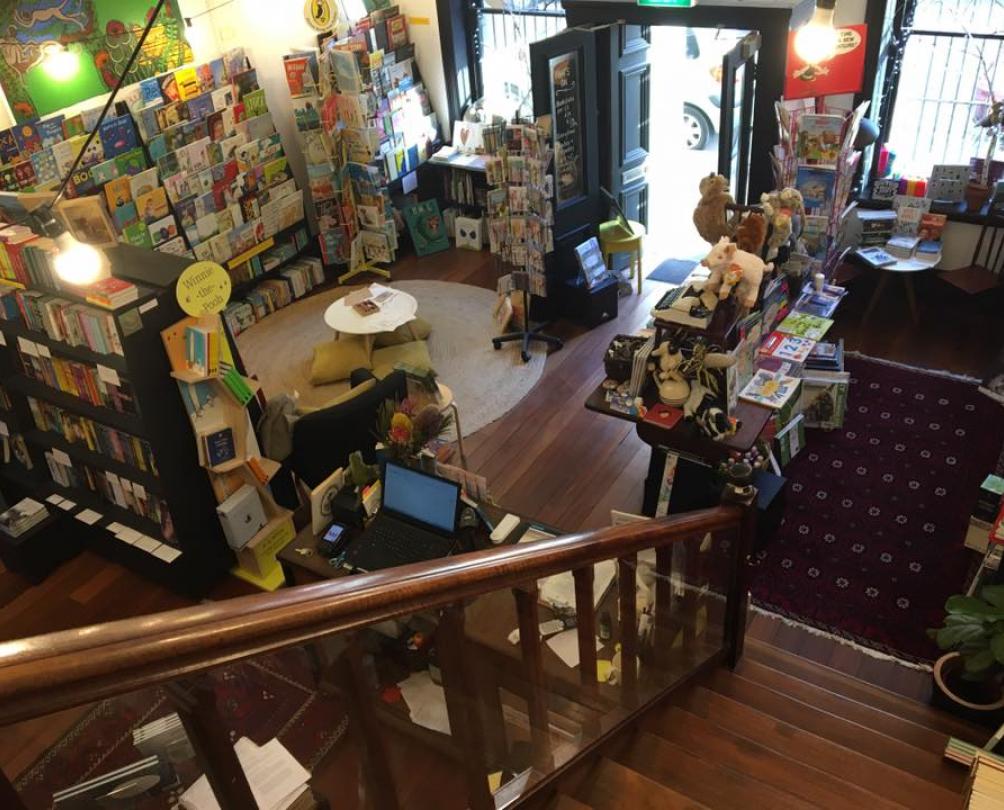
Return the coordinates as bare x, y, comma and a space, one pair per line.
566, 111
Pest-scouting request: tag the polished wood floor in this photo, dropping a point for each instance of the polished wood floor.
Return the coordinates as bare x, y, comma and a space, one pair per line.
550, 458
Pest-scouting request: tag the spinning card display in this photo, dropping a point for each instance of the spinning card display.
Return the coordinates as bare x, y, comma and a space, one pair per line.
426, 226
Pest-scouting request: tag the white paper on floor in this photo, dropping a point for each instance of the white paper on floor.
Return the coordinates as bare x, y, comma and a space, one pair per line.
426, 702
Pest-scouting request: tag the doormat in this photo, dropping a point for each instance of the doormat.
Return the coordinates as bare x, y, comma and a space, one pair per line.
270, 696
672, 271
872, 541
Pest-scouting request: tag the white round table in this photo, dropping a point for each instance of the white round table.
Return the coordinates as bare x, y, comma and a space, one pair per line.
393, 313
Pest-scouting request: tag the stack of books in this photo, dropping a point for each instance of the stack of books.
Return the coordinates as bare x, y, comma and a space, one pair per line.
22, 516
62, 320
826, 356
111, 293
202, 350
822, 303
903, 246
164, 738
984, 789
639, 367
931, 228
875, 256
143, 778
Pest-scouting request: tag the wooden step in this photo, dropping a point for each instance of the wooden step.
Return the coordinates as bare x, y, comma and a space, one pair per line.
811, 749
612, 786
565, 802
699, 776
857, 690
873, 717
821, 789
838, 729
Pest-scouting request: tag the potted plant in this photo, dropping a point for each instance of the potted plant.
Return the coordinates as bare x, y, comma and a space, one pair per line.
971, 673
978, 190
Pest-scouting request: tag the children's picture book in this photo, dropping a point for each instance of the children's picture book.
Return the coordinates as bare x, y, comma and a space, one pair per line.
801, 324
817, 188
822, 302
819, 139
876, 256
824, 398
787, 347
591, 263
426, 226
770, 389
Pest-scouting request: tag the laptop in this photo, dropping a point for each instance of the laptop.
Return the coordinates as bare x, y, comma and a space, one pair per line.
417, 521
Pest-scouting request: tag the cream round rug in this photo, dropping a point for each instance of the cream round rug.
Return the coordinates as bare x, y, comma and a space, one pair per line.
486, 383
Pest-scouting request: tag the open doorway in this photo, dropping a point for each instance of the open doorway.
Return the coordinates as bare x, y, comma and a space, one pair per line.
686, 88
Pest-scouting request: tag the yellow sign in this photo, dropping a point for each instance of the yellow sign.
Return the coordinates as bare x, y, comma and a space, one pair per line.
321, 14
203, 289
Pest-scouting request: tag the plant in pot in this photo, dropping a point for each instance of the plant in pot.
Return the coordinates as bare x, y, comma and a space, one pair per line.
971, 672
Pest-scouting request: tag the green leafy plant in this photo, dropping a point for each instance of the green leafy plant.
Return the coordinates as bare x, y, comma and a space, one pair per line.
974, 627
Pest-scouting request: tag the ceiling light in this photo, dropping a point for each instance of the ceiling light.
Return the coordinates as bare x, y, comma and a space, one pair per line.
816, 41
59, 63
78, 263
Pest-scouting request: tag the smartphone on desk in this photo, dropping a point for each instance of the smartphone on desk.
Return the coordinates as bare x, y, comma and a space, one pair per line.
334, 541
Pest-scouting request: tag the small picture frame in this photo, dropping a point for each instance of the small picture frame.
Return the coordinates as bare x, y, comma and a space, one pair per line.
88, 221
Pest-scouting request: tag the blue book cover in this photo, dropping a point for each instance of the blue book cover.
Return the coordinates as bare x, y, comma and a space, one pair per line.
219, 72
200, 106
149, 93
28, 138
51, 130
46, 170
817, 187
148, 123
220, 447
8, 146
157, 147
117, 135
125, 215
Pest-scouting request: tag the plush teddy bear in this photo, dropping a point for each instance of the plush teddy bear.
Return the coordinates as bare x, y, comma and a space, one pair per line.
785, 212
710, 216
751, 232
731, 267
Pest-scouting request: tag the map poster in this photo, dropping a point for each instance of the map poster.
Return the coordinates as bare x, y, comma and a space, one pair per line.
566, 108
100, 33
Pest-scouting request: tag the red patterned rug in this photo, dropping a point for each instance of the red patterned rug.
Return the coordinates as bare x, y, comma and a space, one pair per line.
270, 696
872, 541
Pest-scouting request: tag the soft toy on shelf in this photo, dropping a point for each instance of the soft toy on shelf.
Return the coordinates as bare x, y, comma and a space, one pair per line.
702, 405
785, 213
752, 232
731, 267
710, 217
673, 387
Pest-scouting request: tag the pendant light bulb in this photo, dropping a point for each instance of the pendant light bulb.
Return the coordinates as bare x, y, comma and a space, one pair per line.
59, 63
78, 263
816, 41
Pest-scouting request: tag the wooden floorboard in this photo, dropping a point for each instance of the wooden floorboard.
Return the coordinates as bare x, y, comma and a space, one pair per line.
549, 458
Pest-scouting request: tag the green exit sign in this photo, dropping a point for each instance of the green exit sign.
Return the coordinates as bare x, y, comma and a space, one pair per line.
668, 3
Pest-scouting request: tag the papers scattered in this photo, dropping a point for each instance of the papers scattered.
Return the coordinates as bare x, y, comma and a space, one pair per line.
566, 646
88, 516
426, 702
558, 592
275, 777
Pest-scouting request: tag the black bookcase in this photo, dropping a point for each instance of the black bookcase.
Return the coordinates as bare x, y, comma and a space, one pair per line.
161, 420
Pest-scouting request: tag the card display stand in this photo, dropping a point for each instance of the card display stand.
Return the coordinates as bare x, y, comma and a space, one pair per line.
101, 434
216, 397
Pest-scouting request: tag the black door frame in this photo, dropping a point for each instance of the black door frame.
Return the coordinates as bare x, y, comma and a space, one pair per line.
771, 23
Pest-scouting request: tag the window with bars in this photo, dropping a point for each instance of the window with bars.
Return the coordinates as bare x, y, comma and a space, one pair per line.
949, 73
503, 36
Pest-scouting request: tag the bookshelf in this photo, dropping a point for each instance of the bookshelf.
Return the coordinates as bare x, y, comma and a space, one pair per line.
185, 551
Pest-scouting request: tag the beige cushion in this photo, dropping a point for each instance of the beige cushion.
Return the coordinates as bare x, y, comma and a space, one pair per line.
415, 354
345, 396
420, 327
335, 360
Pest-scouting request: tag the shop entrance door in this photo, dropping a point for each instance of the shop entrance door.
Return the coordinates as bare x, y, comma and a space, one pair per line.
736, 122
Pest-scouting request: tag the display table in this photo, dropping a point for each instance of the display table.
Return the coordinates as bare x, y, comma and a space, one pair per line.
905, 269
398, 311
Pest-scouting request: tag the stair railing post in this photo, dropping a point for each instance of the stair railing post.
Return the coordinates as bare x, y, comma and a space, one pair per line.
531, 649
740, 491
628, 605
195, 702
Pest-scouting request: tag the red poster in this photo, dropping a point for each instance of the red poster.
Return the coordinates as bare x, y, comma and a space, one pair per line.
842, 73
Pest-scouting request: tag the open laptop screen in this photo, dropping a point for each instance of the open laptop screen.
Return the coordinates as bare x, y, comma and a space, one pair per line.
421, 497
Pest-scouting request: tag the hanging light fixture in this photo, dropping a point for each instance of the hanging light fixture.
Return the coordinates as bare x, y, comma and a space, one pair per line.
75, 262
59, 62
816, 41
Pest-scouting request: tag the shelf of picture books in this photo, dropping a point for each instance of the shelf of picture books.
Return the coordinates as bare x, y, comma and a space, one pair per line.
193, 166
216, 397
520, 205
815, 155
364, 121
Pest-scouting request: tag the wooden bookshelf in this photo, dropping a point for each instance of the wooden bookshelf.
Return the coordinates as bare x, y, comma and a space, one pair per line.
161, 421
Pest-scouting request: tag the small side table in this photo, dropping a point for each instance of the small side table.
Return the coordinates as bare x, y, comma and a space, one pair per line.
614, 239
447, 401
905, 269
398, 311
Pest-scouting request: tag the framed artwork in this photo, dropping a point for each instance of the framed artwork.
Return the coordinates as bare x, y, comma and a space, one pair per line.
88, 221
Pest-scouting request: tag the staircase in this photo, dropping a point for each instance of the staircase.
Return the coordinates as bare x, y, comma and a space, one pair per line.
779, 732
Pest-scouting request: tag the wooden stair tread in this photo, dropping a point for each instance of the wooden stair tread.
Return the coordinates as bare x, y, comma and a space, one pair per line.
862, 738
702, 778
873, 717
862, 692
611, 786
812, 749
817, 786
565, 802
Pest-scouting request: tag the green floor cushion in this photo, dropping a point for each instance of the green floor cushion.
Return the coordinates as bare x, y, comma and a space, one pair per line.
419, 326
335, 360
415, 353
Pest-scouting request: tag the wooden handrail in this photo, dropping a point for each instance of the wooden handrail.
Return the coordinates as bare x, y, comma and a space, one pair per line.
44, 674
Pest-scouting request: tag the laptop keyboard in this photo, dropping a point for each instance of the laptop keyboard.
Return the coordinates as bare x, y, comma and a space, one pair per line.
388, 544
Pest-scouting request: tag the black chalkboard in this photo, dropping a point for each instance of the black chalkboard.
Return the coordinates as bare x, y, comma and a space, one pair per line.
566, 109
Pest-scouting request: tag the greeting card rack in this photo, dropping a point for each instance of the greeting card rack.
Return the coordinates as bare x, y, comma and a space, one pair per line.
100, 431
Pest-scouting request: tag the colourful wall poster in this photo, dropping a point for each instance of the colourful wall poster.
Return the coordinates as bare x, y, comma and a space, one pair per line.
842, 73
100, 33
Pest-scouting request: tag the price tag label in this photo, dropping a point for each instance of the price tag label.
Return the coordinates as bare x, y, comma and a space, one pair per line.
27, 347
109, 375
43, 350
61, 457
